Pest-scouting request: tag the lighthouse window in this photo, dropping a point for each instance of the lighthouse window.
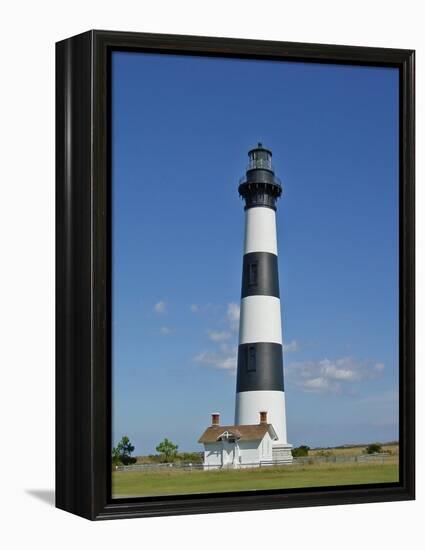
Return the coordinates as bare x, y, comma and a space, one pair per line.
251, 364
253, 274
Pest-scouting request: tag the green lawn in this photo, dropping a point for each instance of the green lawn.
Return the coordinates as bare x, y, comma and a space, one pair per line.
154, 483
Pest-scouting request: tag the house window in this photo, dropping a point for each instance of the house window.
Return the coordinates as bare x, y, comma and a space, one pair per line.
253, 274
251, 365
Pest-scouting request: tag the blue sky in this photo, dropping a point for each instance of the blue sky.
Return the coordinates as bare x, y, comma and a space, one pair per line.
181, 129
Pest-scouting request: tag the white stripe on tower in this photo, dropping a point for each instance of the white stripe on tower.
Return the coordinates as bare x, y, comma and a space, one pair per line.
260, 363
260, 320
260, 230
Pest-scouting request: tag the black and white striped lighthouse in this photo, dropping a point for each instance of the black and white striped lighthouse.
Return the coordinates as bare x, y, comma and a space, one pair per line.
259, 385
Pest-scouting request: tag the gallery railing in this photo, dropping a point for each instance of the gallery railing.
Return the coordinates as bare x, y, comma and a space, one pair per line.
276, 180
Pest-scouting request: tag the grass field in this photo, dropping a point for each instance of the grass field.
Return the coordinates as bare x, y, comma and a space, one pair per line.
353, 451
154, 483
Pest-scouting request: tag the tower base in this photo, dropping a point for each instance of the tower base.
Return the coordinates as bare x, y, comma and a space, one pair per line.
281, 453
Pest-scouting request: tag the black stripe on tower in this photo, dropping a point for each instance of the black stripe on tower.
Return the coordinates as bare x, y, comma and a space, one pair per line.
260, 364
260, 275
260, 367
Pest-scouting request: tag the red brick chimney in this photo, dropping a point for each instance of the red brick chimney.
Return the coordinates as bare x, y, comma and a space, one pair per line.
215, 419
263, 417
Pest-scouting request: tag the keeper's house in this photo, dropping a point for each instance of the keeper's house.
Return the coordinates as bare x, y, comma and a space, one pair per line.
241, 446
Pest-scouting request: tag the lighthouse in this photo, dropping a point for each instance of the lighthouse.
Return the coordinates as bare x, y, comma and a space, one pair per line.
258, 435
260, 381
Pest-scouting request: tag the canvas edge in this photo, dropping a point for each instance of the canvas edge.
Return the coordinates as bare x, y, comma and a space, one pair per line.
82, 317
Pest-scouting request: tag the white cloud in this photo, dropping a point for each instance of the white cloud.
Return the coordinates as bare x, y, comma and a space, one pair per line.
166, 330
332, 375
224, 357
233, 315
223, 361
160, 307
339, 370
290, 346
217, 336
320, 384
194, 308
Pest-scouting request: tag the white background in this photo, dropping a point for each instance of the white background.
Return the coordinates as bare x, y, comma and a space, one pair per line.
28, 33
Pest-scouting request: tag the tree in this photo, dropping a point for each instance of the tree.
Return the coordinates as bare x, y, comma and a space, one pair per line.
302, 450
373, 448
167, 449
122, 452
116, 457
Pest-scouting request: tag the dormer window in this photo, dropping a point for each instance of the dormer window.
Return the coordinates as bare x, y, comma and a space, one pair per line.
231, 438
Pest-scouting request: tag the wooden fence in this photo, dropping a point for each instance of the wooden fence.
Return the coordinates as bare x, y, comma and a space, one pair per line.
380, 458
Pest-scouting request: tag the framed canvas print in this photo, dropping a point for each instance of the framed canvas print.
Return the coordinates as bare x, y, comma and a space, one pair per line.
235, 275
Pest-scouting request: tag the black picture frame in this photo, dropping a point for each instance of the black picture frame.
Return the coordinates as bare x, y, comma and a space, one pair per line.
83, 369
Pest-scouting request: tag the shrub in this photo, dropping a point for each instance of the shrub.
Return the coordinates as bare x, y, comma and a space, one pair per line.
324, 453
302, 450
373, 448
197, 458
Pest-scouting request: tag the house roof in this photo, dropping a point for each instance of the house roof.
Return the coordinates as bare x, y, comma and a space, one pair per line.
245, 432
